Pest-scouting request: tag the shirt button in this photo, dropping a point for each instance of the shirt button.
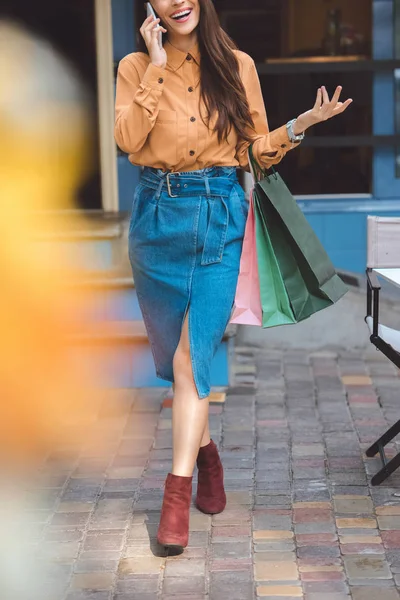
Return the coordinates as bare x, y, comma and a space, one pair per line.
193, 119
188, 57
190, 89
191, 153
161, 80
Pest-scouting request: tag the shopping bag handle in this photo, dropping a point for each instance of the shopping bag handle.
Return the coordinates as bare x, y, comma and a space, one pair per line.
256, 170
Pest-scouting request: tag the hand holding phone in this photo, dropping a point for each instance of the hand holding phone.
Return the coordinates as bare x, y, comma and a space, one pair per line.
151, 32
151, 13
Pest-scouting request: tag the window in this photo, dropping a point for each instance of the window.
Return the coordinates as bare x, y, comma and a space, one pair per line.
299, 45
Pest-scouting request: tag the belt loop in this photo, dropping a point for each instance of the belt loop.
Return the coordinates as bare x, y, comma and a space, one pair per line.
159, 189
207, 186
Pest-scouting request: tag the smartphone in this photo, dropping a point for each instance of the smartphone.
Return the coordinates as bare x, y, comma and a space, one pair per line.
150, 11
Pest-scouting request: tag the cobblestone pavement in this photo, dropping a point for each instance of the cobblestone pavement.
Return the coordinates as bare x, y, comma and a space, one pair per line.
302, 520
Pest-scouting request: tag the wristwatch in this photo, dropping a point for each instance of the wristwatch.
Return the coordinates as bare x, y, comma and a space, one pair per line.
292, 137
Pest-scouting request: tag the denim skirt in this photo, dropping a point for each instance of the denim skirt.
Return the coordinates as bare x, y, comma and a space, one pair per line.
185, 241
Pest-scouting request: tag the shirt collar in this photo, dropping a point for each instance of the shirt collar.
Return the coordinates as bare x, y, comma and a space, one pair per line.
176, 58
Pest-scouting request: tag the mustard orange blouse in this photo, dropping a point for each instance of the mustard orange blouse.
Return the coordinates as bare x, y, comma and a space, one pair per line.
158, 120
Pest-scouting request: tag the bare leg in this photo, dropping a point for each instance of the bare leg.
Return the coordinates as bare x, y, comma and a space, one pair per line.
189, 412
205, 440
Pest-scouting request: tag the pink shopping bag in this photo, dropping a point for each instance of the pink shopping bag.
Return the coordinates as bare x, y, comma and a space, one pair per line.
248, 309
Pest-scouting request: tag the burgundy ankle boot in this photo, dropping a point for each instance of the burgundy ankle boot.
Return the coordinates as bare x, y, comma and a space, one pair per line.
173, 531
211, 497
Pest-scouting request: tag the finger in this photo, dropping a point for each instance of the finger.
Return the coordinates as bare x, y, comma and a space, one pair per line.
342, 106
318, 100
336, 95
149, 27
154, 33
147, 21
325, 96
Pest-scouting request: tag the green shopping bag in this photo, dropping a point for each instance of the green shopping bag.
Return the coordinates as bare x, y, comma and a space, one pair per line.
310, 280
275, 303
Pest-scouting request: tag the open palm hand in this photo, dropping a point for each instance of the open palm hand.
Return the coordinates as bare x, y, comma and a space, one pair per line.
323, 109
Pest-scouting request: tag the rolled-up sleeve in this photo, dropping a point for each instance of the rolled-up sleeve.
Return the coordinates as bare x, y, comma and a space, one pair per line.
136, 104
269, 147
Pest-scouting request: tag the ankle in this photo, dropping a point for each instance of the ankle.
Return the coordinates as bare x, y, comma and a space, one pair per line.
179, 472
205, 441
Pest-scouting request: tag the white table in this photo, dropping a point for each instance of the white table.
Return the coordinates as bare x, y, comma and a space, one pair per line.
392, 275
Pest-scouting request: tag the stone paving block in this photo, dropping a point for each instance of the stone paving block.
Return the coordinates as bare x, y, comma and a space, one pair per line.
324, 588
314, 528
311, 515
140, 565
329, 551
267, 521
181, 597
230, 564
368, 593
366, 567
389, 523
274, 546
88, 595
195, 584
356, 380
355, 523
360, 539
388, 510
274, 570
279, 591
320, 568
272, 535
235, 585
327, 596
231, 550
277, 556
93, 581
139, 584
78, 507
227, 533
63, 535
322, 576
312, 505
352, 504
198, 539
104, 540
200, 522
134, 596
315, 539
185, 567
94, 566
59, 551
391, 539
70, 520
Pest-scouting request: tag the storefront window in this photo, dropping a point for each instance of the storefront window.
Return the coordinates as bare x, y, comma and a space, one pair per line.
299, 45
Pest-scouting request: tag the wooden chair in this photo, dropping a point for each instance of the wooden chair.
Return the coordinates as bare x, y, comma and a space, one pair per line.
383, 259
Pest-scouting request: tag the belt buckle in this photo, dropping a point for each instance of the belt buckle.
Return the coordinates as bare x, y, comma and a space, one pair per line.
170, 194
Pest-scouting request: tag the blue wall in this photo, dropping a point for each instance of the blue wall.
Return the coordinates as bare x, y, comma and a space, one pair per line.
124, 43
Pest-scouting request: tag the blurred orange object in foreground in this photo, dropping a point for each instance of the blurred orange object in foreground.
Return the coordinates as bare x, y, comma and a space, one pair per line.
43, 156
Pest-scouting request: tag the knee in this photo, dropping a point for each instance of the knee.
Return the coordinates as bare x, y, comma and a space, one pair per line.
182, 366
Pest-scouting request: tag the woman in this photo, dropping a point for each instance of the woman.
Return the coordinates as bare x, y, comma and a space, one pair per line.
187, 112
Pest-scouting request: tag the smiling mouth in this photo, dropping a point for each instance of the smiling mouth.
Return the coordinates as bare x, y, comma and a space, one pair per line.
182, 16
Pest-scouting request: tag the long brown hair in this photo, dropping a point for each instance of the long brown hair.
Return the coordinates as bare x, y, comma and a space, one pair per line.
222, 90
